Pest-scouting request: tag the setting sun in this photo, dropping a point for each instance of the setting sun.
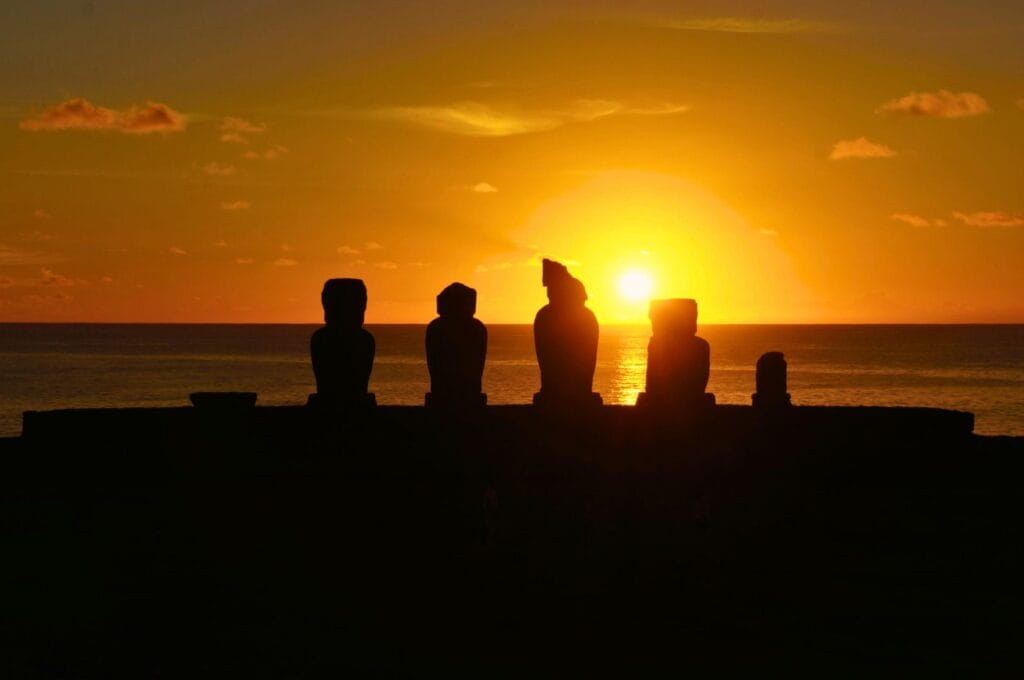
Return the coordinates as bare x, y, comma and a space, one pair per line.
636, 286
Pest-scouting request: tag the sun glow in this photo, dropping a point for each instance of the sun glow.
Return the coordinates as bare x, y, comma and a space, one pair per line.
636, 285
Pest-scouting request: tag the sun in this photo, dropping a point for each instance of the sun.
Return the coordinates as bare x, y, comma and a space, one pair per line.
636, 285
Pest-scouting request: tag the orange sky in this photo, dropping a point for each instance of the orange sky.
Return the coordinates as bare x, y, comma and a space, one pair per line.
215, 162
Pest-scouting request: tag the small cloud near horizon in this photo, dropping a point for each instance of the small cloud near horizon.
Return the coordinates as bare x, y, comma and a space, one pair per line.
80, 114
284, 262
175, 250
41, 214
991, 218
941, 104
483, 188
235, 205
219, 169
385, 264
233, 130
271, 154
244, 260
347, 250
749, 25
475, 119
918, 221
861, 147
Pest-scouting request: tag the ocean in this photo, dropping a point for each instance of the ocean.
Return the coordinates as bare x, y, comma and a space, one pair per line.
973, 368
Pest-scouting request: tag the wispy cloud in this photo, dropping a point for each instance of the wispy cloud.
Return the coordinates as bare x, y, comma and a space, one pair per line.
219, 169
748, 25
284, 262
234, 129
41, 214
994, 218
244, 260
11, 256
385, 264
941, 104
52, 278
235, 205
372, 245
175, 250
271, 154
481, 120
80, 114
861, 147
918, 220
347, 250
483, 188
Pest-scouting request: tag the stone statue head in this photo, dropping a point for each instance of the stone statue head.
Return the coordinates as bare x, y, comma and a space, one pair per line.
675, 316
563, 288
457, 300
344, 302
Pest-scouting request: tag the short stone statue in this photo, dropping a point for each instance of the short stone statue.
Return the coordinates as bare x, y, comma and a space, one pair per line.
456, 350
771, 381
565, 335
342, 351
678, 361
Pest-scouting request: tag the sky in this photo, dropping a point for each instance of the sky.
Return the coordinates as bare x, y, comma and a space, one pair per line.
780, 162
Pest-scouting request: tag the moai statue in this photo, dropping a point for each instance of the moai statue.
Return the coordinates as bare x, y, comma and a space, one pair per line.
678, 361
342, 351
565, 336
456, 350
771, 381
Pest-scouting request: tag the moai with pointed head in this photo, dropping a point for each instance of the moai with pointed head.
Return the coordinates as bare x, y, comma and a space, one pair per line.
771, 381
342, 351
678, 361
565, 336
456, 350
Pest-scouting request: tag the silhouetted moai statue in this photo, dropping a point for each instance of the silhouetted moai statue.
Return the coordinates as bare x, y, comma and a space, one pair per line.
342, 351
565, 336
678, 362
456, 350
771, 381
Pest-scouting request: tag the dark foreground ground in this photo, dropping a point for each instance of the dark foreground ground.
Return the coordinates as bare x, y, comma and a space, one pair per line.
279, 542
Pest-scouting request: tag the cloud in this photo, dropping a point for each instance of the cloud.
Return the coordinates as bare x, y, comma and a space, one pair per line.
385, 265
861, 147
233, 138
219, 169
271, 154
80, 114
372, 245
153, 117
284, 262
480, 120
10, 256
244, 260
347, 250
52, 278
41, 214
483, 188
234, 124
220, 244
917, 220
749, 25
235, 205
941, 104
178, 251
106, 279
991, 219
768, 232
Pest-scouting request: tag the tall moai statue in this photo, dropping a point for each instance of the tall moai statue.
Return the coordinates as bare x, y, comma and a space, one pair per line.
342, 351
456, 350
565, 336
678, 361
771, 381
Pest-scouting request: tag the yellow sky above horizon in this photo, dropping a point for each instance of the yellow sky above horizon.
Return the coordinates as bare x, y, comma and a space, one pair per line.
215, 162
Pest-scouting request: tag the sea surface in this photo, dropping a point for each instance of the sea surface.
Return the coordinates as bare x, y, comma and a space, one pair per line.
50, 366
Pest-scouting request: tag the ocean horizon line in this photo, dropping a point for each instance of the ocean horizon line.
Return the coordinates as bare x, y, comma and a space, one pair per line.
615, 324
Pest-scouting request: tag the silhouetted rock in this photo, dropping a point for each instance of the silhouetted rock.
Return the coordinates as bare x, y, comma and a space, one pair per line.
678, 362
565, 335
771, 381
223, 400
342, 351
456, 350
